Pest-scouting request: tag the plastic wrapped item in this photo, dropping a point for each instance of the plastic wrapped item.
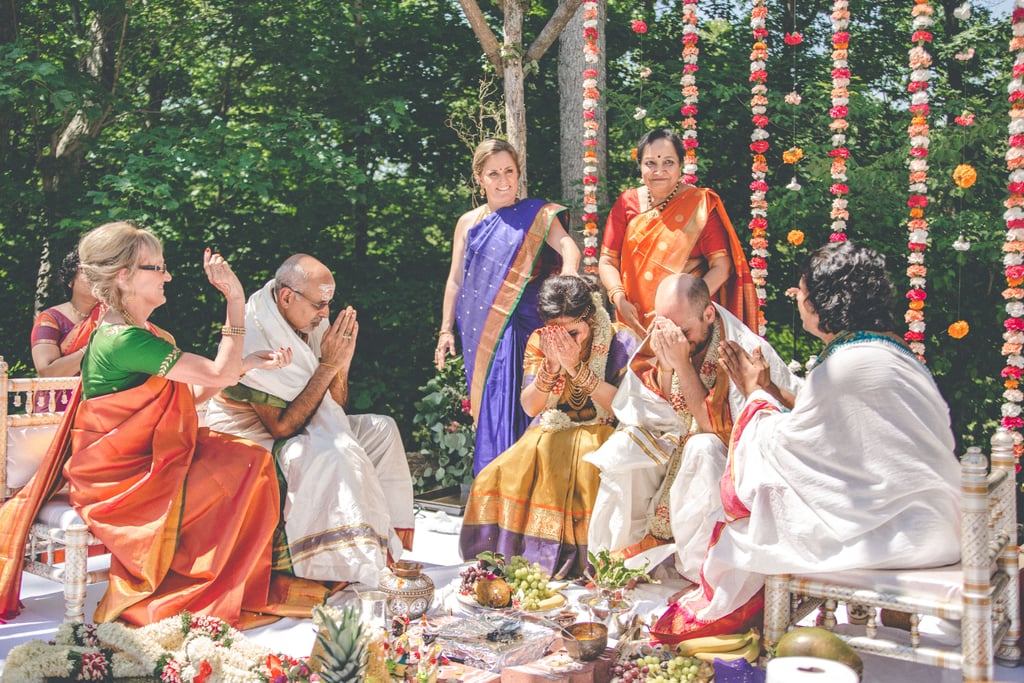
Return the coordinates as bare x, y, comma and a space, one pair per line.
739, 671
488, 641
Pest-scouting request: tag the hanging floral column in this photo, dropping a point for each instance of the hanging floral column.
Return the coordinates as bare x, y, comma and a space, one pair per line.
838, 112
689, 90
917, 225
759, 166
1014, 245
591, 95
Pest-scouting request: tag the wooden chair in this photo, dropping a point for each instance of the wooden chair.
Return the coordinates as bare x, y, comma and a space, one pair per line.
59, 543
981, 591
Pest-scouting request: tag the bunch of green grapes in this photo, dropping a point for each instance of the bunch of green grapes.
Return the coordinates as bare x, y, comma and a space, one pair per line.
654, 669
528, 582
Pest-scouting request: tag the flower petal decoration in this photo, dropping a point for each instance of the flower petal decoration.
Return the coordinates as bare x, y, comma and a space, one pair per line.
639, 26
795, 237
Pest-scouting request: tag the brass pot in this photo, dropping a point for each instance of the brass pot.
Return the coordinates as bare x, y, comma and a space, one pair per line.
589, 639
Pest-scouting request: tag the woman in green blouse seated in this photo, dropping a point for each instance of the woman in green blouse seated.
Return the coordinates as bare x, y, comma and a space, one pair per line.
188, 515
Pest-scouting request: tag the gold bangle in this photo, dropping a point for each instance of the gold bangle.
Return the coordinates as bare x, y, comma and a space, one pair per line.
333, 367
444, 332
232, 331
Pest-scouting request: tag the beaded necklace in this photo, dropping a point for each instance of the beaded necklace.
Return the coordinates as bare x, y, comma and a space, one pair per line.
846, 338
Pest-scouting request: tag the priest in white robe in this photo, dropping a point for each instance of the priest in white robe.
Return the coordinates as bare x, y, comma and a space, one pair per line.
349, 490
860, 474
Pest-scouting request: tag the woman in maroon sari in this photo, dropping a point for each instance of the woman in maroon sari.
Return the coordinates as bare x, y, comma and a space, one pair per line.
60, 333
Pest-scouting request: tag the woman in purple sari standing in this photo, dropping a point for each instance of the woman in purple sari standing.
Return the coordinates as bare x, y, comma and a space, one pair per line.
501, 252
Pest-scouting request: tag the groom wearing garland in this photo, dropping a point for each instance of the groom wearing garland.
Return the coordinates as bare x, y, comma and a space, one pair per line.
660, 469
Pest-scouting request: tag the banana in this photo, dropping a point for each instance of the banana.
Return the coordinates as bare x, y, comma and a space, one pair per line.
722, 643
750, 652
551, 602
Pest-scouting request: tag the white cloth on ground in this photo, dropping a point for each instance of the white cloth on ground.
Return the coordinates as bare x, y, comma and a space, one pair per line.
860, 475
348, 479
634, 460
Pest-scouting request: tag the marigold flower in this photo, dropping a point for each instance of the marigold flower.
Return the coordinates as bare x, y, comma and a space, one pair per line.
792, 155
964, 175
794, 38
959, 329
793, 98
795, 237
639, 26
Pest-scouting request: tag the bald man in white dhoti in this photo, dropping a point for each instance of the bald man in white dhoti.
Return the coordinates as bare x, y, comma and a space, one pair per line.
349, 490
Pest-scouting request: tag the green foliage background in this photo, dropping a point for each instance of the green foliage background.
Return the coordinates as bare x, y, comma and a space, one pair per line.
264, 128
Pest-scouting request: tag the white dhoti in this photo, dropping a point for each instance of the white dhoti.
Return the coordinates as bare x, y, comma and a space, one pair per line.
349, 486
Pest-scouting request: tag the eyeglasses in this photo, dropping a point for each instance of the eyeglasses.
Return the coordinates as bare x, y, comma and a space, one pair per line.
156, 269
318, 305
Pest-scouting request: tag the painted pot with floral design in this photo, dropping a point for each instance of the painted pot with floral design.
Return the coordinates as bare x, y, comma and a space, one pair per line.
409, 590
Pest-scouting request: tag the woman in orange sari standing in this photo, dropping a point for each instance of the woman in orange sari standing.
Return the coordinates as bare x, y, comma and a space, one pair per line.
664, 227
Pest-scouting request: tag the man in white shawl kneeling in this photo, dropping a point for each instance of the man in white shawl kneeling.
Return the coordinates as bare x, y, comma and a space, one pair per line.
349, 497
660, 468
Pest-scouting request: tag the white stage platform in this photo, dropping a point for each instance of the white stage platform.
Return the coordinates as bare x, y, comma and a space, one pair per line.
436, 545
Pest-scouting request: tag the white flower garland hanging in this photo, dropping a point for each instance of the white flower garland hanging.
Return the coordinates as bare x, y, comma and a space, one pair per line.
591, 96
838, 112
690, 93
759, 166
1013, 247
917, 225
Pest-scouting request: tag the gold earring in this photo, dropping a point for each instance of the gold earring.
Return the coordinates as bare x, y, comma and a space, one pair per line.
482, 192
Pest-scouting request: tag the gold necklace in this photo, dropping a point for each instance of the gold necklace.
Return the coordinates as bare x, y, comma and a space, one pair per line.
128, 319
77, 312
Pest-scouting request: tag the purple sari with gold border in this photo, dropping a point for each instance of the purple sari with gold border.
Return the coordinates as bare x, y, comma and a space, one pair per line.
496, 312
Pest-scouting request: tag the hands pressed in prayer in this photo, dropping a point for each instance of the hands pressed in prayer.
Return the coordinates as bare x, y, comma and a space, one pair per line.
339, 342
669, 344
267, 360
558, 345
748, 372
220, 275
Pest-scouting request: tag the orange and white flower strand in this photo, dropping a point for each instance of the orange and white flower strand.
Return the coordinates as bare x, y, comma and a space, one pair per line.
838, 112
917, 225
759, 166
1013, 261
591, 95
688, 81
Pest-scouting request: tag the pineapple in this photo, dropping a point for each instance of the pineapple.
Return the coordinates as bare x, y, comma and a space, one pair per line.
340, 655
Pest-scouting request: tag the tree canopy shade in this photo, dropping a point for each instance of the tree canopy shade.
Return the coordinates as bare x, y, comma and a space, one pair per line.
263, 128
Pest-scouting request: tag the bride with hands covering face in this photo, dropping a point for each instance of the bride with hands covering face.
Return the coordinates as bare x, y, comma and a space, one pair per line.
535, 499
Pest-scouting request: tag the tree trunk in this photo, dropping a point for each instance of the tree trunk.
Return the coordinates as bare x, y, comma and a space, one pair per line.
515, 98
570, 106
61, 170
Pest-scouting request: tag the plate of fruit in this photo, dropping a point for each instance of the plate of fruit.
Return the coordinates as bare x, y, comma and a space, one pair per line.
491, 583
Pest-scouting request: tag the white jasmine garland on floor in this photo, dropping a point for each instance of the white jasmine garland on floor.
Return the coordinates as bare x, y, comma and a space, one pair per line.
182, 649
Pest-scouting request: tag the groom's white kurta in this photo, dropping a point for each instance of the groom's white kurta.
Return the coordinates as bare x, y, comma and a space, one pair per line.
634, 462
348, 480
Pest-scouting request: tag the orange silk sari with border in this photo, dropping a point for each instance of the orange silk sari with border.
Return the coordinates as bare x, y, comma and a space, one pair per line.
659, 243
